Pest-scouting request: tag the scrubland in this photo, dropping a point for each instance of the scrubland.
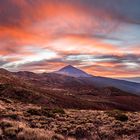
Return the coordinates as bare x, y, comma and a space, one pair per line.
20, 121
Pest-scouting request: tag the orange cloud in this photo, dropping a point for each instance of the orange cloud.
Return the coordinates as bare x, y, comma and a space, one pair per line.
65, 28
83, 45
110, 71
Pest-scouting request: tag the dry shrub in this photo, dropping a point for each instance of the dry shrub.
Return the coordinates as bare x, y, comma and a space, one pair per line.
57, 137
81, 132
38, 134
10, 129
34, 134
105, 132
41, 112
11, 132
45, 112
10, 123
20, 131
5, 123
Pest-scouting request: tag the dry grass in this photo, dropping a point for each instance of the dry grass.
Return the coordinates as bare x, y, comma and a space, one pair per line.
20, 131
33, 123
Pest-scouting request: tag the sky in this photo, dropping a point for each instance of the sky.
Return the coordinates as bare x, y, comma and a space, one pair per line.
101, 37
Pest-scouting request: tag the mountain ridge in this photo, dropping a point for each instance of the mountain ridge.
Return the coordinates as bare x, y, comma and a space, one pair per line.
59, 90
61, 77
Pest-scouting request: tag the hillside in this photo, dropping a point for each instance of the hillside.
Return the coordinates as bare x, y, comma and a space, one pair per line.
57, 107
56, 90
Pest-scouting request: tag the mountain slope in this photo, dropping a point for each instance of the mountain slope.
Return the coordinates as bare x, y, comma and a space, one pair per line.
57, 90
16, 88
70, 76
132, 79
126, 86
72, 71
100, 82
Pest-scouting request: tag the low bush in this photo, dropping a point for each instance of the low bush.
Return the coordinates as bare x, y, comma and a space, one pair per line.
81, 132
14, 130
11, 132
33, 111
5, 124
118, 115
6, 100
58, 110
121, 117
45, 112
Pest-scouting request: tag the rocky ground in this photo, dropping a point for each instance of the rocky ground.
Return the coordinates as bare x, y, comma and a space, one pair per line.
19, 121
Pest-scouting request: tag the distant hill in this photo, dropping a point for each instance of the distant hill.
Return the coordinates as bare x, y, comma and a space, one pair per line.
132, 79
60, 90
87, 79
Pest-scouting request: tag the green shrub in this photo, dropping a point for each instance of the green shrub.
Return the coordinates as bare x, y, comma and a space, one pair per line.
118, 115
45, 112
58, 110
5, 124
13, 116
49, 114
39, 112
121, 117
34, 111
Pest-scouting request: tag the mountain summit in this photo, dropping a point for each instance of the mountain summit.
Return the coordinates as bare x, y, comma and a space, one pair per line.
69, 70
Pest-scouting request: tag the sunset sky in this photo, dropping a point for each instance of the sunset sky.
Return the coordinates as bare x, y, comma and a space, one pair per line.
101, 37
